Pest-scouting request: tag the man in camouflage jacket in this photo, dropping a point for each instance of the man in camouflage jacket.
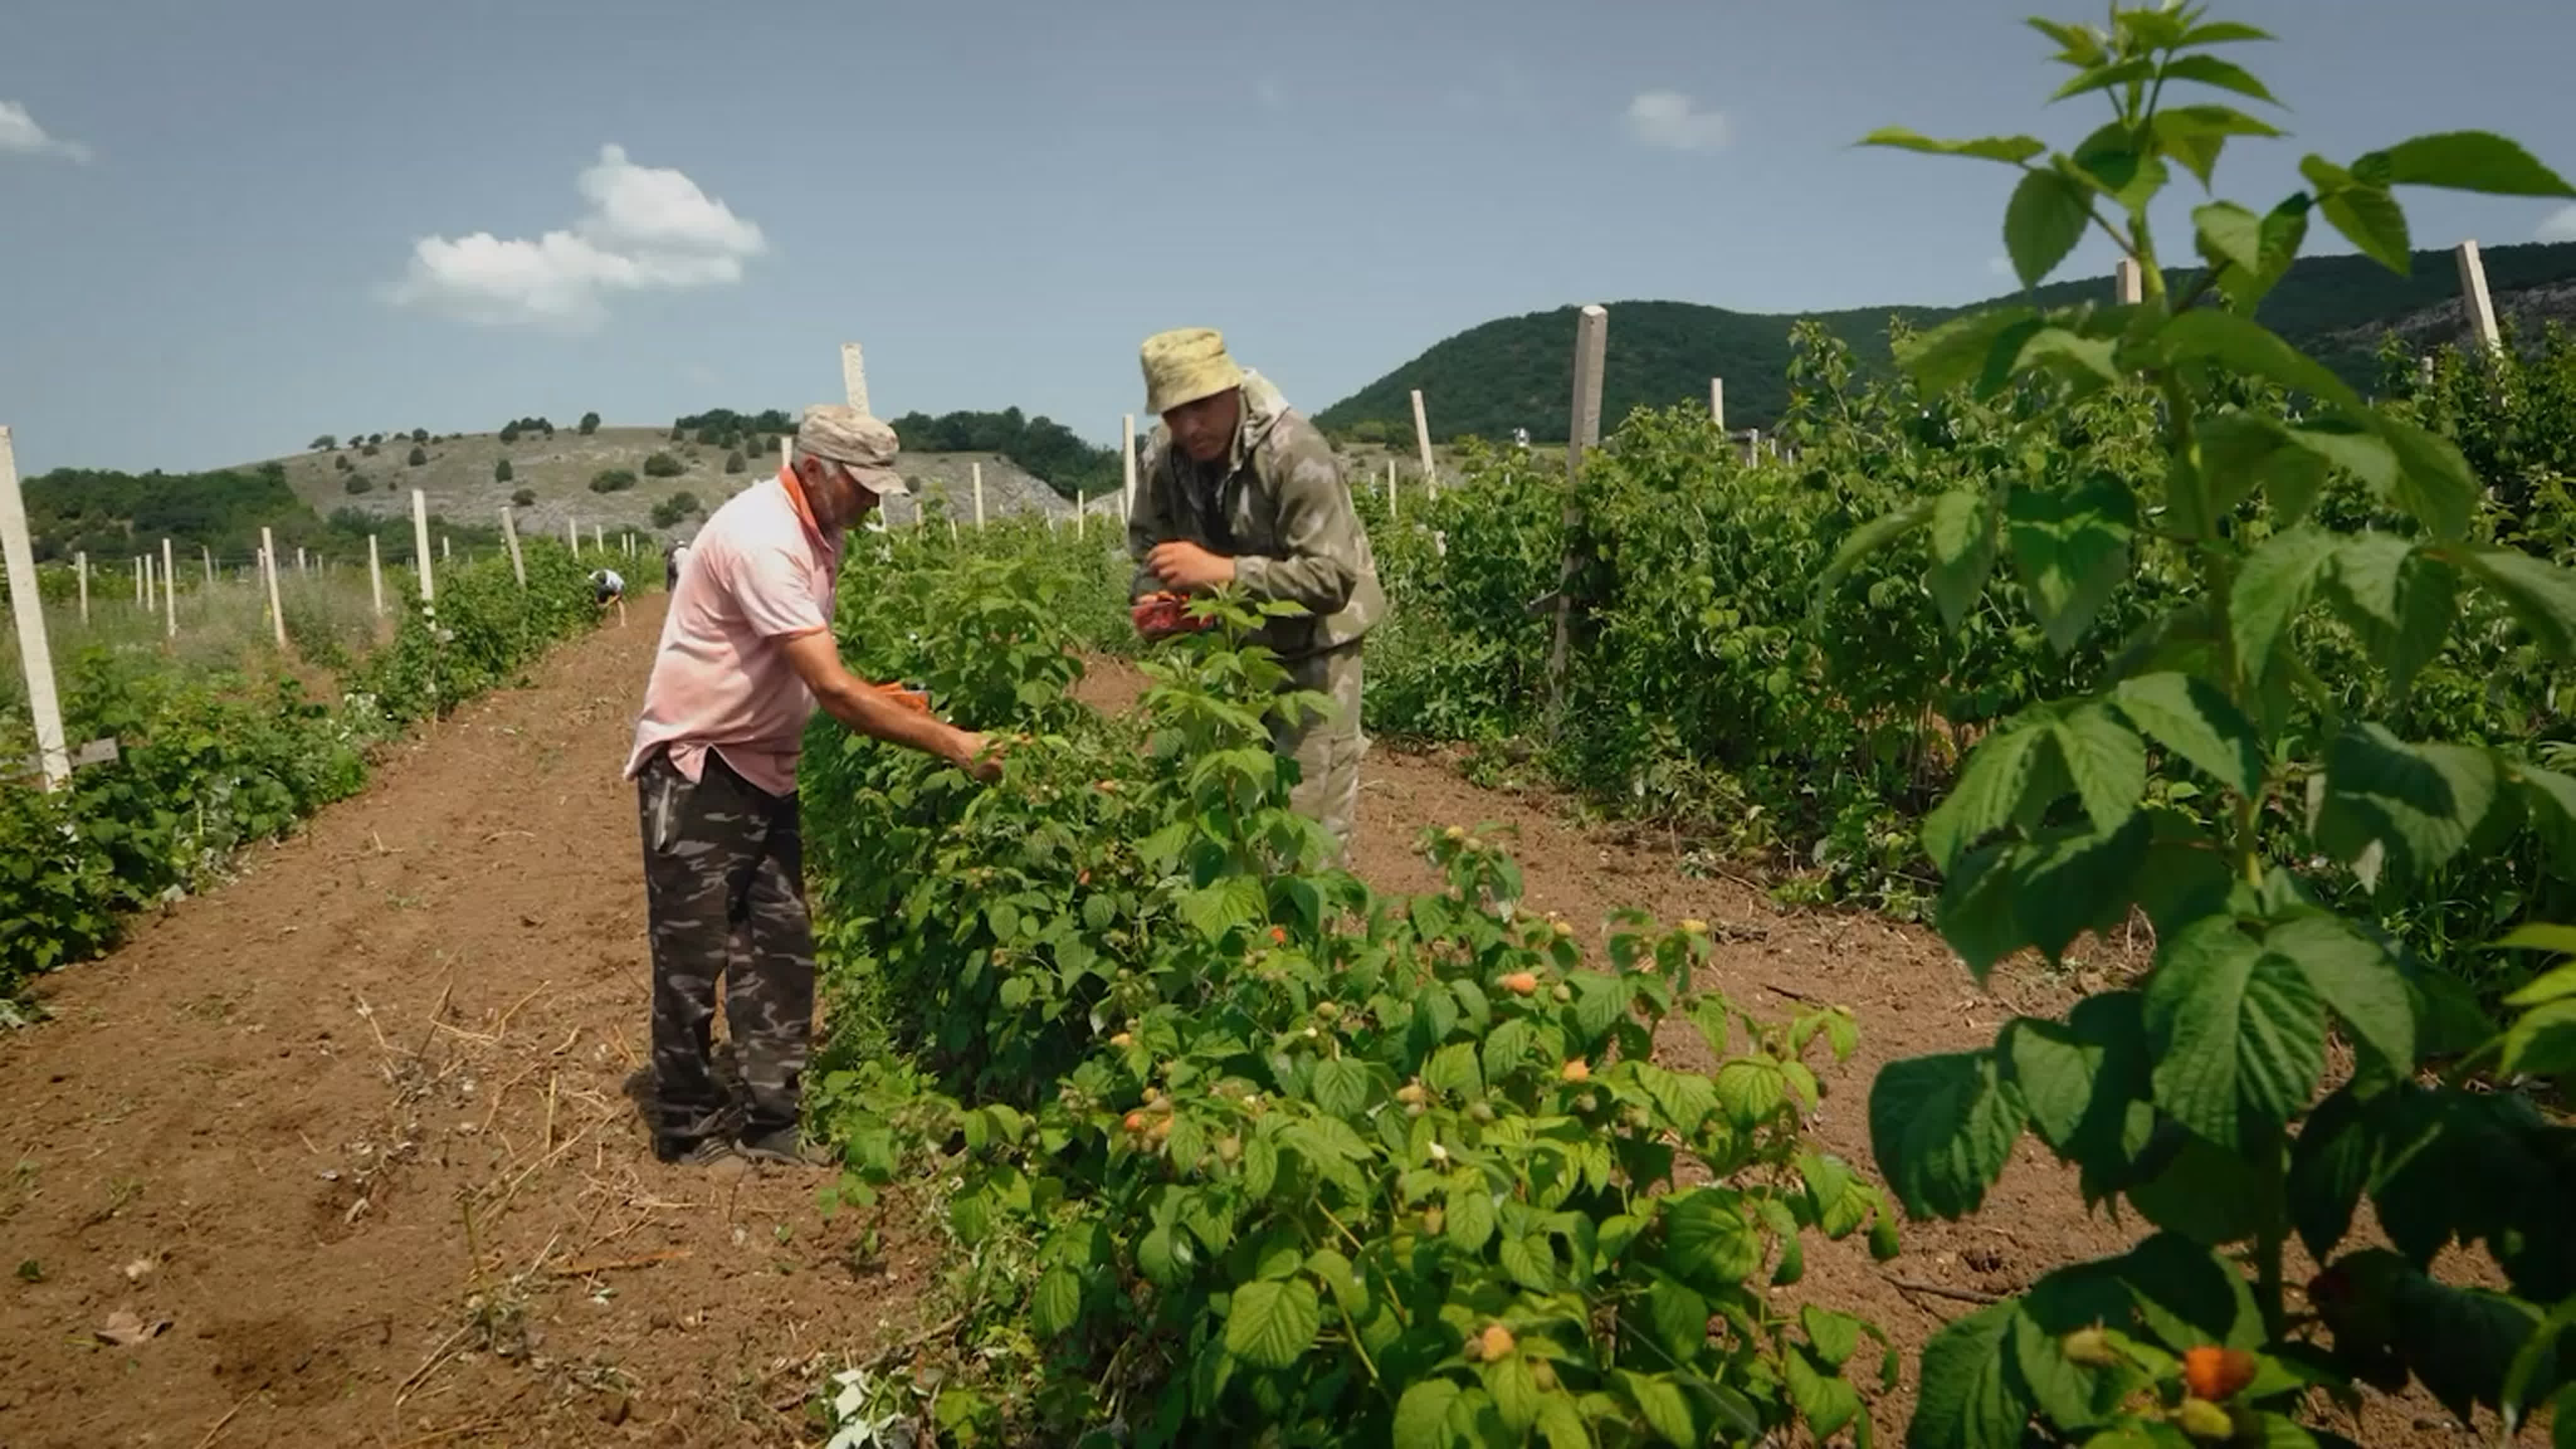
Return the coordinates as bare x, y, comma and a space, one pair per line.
1237, 487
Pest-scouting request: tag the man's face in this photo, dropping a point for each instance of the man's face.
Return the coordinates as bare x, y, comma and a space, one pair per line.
1205, 429
836, 496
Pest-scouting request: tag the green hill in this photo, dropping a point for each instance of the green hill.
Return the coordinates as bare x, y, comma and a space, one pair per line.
1518, 372
112, 516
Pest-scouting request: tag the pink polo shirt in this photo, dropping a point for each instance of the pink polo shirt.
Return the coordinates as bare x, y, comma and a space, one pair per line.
757, 575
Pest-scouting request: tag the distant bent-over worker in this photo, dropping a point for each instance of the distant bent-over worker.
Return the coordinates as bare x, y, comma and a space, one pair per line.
746, 654
1237, 486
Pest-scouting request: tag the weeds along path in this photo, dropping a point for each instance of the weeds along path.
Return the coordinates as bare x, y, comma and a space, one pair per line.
354, 1128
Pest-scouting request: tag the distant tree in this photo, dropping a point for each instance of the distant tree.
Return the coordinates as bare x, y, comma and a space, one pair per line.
374, 438
1045, 448
678, 433
589, 424
501, 471
734, 462
663, 465
368, 451
325, 443
341, 463
612, 480
510, 433
524, 498
391, 485
420, 435
671, 510
417, 456
355, 483
726, 420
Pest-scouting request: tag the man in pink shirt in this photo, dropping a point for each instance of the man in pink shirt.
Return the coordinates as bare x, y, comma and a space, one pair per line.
746, 655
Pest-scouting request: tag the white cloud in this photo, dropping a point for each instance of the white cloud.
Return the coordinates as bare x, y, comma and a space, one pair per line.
20, 133
1673, 121
647, 228
2561, 226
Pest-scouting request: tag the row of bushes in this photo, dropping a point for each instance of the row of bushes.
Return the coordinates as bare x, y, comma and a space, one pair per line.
212, 762
1707, 685
1229, 1144
1238, 1148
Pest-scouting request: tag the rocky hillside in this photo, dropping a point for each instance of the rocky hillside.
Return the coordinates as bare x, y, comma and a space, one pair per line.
549, 481
2525, 315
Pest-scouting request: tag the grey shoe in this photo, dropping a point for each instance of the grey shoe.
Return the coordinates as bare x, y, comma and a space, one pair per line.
786, 1146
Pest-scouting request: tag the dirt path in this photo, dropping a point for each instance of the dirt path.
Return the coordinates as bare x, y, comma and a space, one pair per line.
354, 1126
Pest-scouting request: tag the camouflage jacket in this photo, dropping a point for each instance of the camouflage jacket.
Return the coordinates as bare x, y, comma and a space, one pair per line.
1279, 507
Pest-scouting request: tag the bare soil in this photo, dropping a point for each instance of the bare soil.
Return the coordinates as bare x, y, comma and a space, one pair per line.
354, 1128
346, 1145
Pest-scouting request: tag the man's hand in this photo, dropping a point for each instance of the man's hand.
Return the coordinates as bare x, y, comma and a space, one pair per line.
888, 712
1185, 565
979, 756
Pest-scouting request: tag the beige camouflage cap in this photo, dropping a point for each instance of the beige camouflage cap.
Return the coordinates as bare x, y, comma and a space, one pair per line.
1185, 365
862, 444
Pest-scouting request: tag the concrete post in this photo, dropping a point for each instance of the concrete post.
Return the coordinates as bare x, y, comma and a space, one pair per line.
510, 536
1127, 461
854, 376
35, 652
1591, 341
268, 571
2475, 301
1422, 444
1591, 351
420, 544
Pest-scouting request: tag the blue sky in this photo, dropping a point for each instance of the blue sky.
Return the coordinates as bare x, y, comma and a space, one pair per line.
209, 213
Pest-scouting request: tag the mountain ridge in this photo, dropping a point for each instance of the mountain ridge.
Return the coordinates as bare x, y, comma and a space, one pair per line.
1517, 371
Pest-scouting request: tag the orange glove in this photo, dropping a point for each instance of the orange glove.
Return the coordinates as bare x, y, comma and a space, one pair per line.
1165, 613
905, 695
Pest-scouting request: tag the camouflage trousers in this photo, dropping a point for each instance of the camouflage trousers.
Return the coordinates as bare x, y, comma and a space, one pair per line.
1327, 749
724, 887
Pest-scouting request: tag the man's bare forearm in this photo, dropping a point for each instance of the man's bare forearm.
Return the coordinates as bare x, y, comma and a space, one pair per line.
871, 713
